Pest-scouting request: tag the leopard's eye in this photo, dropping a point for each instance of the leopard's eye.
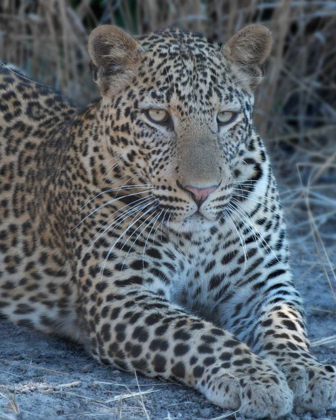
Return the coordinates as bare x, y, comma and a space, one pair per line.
159, 116
226, 117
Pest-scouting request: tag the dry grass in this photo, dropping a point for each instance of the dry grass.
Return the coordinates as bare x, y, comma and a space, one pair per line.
295, 105
9, 406
294, 110
226, 415
324, 341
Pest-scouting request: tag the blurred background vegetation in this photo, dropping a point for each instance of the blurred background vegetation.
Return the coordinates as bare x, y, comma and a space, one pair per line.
295, 106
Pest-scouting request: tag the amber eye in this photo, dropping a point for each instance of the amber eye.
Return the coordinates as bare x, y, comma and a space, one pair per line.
159, 116
226, 117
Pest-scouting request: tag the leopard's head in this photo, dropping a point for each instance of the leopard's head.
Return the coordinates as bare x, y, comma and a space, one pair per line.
176, 111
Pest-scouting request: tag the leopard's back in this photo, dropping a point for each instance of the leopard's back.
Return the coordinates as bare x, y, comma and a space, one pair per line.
34, 277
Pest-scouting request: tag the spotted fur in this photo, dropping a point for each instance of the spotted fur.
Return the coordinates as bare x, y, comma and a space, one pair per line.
101, 240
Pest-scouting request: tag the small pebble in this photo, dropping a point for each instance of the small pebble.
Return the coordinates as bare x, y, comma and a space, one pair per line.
320, 414
87, 368
205, 412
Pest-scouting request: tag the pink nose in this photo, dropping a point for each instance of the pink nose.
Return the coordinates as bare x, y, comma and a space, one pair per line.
200, 194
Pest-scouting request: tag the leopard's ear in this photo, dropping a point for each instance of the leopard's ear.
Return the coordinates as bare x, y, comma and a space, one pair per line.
248, 49
114, 57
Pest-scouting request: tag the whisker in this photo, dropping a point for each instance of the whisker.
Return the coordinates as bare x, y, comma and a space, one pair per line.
262, 204
114, 189
248, 226
144, 250
114, 165
260, 236
249, 192
122, 217
108, 203
121, 236
280, 215
121, 177
247, 78
247, 182
240, 236
136, 237
161, 224
124, 184
170, 218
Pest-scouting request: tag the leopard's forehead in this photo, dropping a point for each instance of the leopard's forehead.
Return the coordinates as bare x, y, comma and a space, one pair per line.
186, 64
174, 40
187, 50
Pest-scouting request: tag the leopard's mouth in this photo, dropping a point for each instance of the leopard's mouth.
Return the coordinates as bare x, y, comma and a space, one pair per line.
192, 223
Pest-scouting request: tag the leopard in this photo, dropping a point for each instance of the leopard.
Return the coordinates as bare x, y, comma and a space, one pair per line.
147, 225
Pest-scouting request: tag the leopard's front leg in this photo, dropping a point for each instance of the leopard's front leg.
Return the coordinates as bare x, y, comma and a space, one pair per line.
136, 329
283, 335
279, 334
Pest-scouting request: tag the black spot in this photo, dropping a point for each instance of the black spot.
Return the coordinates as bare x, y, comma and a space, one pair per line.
181, 349
139, 265
161, 330
140, 365
290, 325
178, 370
205, 349
198, 371
128, 282
152, 252
216, 280
225, 356
229, 257
159, 363
182, 335
141, 334
217, 331
208, 361
105, 331
136, 350
115, 313
153, 319
231, 343
158, 344
210, 266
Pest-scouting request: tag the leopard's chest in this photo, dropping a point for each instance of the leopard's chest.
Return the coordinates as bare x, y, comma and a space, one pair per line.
208, 272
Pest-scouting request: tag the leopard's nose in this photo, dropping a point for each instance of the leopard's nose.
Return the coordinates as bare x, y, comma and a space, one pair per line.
199, 194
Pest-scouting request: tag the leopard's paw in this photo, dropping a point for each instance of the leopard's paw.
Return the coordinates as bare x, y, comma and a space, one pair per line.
313, 384
256, 393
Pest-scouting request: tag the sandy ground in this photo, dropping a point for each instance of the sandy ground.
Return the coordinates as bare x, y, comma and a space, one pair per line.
47, 378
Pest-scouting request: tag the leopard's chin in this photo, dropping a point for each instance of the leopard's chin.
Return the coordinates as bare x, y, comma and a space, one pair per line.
197, 222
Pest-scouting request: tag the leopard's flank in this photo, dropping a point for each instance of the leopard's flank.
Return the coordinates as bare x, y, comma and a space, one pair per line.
147, 226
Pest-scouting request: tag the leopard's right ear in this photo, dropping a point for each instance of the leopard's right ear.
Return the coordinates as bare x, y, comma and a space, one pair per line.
114, 57
248, 50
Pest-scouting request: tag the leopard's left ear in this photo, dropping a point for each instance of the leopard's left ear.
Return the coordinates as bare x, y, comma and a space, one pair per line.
248, 49
114, 57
